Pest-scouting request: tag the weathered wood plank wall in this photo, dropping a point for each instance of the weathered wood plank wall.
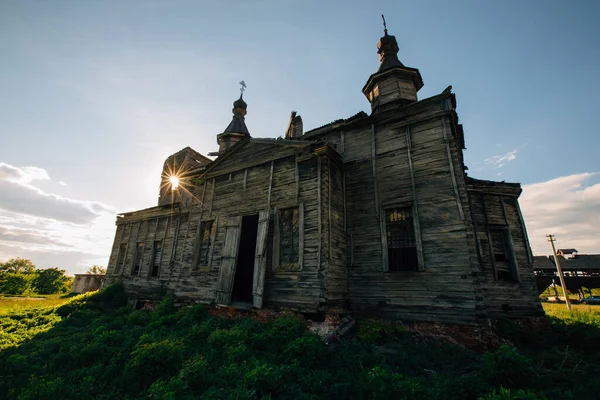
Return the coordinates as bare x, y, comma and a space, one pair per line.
501, 297
243, 192
444, 291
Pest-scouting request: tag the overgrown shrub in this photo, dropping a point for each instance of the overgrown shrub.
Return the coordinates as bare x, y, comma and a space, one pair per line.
101, 350
17, 284
377, 330
507, 394
150, 361
507, 367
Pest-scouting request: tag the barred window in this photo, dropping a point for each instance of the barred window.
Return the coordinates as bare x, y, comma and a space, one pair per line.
401, 242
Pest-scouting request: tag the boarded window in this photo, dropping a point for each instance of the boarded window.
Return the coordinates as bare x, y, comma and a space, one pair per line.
137, 259
121, 258
401, 242
204, 242
289, 236
503, 255
156, 259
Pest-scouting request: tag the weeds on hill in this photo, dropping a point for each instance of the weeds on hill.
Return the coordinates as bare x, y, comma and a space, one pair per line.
94, 347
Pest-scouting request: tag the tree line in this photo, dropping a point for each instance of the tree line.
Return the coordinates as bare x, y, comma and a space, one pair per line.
19, 276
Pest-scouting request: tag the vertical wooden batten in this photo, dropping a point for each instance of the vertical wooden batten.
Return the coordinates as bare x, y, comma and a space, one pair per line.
415, 206
351, 249
174, 244
126, 250
475, 227
270, 185
187, 231
329, 208
344, 190
212, 197
137, 235
524, 230
297, 178
511, 253
373, 156
212, 243
144, 247
452, 173
489, 235
320, 222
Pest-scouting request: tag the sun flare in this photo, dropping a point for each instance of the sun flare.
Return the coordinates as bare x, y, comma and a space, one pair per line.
174, 182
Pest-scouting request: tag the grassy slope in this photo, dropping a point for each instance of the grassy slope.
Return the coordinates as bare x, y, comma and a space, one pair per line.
91, 347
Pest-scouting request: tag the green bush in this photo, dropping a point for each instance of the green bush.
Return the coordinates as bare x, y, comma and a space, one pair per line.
106, 299
17, 284
508, 368
150, 361
378, 330
98, 349
507, 394
50, 281
307, 350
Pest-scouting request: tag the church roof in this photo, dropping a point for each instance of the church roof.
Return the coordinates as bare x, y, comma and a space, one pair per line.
336, 124
237, 125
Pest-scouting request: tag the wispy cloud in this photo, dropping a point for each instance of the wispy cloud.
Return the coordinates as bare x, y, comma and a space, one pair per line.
19, 195
569, 207
498, 161
49, 228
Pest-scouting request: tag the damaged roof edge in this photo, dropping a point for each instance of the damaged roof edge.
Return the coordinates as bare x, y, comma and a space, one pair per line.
340, 123
147, 210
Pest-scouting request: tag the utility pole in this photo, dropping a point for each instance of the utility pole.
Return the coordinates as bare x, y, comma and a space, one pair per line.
551, 239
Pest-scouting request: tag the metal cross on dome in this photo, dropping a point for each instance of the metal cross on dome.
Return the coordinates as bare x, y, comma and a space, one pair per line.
243, 87
384, 25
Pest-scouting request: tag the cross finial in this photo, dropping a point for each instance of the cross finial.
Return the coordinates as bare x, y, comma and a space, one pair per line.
384, 25
242, 88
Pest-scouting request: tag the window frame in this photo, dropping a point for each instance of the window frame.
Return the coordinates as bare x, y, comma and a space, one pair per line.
137, 258
153, 259
384, 243
509, 253
276, 261
121, 256
199, 241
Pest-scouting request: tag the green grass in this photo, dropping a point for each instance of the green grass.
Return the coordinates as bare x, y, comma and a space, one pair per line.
560, 310
92, 347
10, 304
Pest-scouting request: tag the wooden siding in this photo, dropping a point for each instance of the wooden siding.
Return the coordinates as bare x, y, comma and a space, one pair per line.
501, 297
409, 157
238, 192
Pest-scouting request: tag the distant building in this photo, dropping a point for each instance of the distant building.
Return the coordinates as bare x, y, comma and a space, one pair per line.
566, 253
371, 214
83, 283
574, 265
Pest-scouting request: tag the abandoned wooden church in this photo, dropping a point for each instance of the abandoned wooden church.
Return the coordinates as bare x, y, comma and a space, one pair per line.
373, 214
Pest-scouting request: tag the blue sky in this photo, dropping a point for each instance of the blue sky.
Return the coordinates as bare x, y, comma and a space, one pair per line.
95, 95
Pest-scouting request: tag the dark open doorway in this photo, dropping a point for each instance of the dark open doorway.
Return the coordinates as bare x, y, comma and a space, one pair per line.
244, 270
